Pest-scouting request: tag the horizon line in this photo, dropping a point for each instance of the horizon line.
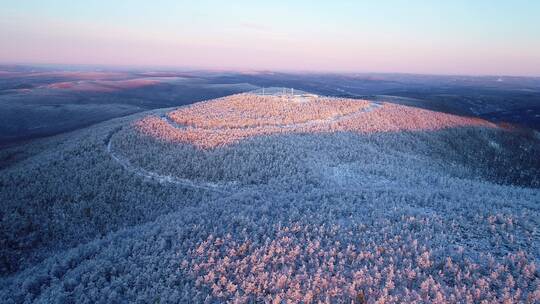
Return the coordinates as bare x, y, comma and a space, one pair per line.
187, 68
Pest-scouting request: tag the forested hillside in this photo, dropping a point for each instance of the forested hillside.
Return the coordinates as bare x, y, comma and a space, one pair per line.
391, 204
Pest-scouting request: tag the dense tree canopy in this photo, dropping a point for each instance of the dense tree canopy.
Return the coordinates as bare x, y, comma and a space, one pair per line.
112, 214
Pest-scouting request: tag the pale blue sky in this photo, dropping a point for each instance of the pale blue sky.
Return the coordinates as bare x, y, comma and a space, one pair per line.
443, 37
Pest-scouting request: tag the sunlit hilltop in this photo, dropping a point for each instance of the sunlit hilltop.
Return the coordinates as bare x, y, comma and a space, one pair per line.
229, 119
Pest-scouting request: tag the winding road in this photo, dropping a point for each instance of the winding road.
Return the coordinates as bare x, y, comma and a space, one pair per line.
204, 185
372, 106
128, 166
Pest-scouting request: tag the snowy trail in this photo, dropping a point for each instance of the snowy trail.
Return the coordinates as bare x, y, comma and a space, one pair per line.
208, 186
128, 166
372, 106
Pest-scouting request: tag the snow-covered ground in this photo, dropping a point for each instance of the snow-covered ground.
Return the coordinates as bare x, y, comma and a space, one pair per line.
415, 215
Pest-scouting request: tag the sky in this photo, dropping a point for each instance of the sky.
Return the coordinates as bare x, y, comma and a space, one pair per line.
480, 37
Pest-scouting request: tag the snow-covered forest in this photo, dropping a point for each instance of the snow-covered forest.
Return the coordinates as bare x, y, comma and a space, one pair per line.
398, 205
230, 119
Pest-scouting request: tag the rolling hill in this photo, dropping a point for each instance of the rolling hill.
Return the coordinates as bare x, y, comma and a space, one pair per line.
270, 198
